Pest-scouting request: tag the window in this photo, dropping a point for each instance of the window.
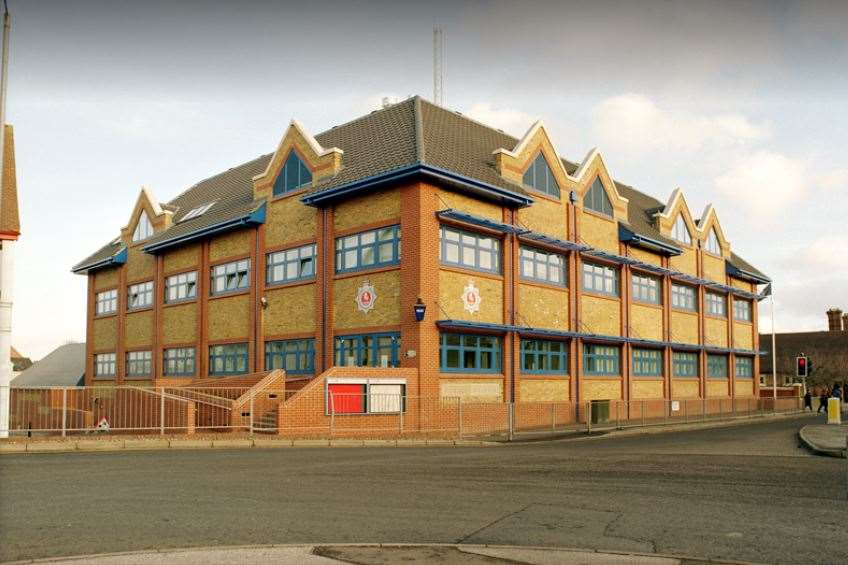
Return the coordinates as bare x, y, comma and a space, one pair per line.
684, 364
140, 295
716, 304
290, 265
741, 310
647, 363
178, 362
139, 363
228, 359
544, 357
470, 250
181, 287
645, 288
717, 366
104, 365
540, 177
712, 243
143, 229
600, 279
601, 360
470, 353
744, 367
374, 248
681, 232
596, 199
683, 297
368, 350
365, 398
293, 175
230, 276
544, 266
294, 356
196, 212
106, 302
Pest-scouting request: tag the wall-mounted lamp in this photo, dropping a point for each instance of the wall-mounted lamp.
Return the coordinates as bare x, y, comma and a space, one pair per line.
263, 302
419, 308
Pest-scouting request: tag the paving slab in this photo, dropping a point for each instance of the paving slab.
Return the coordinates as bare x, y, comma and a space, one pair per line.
232, 443
346, 443
379, 443
99, 445
13, 447
826, 439
310, 443
48, 446
190, 443
271, 443
146, 444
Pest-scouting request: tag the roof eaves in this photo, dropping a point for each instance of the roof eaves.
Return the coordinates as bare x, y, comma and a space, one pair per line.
740, 273
628, 235
117, 258
254, 217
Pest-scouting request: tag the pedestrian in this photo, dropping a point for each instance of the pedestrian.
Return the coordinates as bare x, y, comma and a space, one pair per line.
823, 401
837, 392
808, 401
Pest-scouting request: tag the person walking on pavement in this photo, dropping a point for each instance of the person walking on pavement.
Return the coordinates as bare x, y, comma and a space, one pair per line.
837, 392
808, 401
823, 401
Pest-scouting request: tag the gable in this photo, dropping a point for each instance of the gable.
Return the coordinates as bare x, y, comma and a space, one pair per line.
596, 199
539, 176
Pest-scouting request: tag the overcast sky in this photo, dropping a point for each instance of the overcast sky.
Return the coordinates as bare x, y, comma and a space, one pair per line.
742, 104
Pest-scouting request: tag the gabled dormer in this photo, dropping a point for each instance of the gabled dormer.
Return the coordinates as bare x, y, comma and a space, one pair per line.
540, 177
148, 218
597, 200
297, 164
675, 220
713, 240
533, 163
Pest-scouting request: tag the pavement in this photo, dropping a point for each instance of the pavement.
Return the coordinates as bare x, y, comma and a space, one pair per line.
744, 493
826, 439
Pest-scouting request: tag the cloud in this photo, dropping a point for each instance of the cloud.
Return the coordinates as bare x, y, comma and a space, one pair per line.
513, 122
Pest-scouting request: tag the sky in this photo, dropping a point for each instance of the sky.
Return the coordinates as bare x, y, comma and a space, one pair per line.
740, 104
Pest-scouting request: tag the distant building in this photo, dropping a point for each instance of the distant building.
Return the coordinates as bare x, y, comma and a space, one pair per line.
64, 366
827, 351
19, 362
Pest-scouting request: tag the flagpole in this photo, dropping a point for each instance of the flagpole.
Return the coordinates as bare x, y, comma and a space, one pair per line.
773, 351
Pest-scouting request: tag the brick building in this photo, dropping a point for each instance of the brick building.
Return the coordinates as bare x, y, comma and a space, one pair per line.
542, 279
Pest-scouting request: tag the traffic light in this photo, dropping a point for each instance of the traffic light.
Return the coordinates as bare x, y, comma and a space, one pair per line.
802, 366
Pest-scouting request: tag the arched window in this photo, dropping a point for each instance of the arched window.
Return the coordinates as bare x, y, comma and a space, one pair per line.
293, 175
596, 199
143, 229
681, 232
539, 176
712, 243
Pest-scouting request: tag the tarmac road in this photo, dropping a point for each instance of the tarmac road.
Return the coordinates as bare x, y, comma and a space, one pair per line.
740, 493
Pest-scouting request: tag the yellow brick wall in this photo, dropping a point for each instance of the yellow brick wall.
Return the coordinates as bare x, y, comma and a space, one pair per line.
601, 390
106, 278
544, 390
744, 388
647, 389
140, 264
542, 307
182, 258
105, 333
179, 323
367, 209
645, 256
469, 205
743, 336
684, 327
716, 388
386, 311
599, 232
685, 388
713, 268
715, 331
139, 330
289, 220
545, 216
600, 315
229, 317
472, 390
229, 245
685, 262
290, 310
646, 322
451, 287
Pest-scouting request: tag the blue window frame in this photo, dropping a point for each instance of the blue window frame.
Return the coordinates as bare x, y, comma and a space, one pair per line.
596, 199
600, 279
139, 364
469, 250
228, 359
368, 350
140, 295
230, 277
293, 175
291, 265
601, 359
683, 297
645, 288
294, 356
716, 304
744, 368
181, 287
684, 364
647, 363
470, 353
106, 302
543, 266
178, 362
544, 357
716, 366
540, 176
368, 249
741, 310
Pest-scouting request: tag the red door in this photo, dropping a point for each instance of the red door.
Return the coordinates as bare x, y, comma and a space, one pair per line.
346, 399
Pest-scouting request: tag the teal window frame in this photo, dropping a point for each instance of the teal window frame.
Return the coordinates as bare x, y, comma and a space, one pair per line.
229, 277
539, 176
716, 366
105, 365
744, 368
684, 297
294, 356
742, 310
179, 362
647, 362
600, 279
139, 364
645, 288
368, 249
181, 287
684, 364
543, 266
601, 360
291, 265
715, 304
367, 349
294, 175
106, 302
228, 359
469, 353
140, 296
544, 357
596, 199
469, 250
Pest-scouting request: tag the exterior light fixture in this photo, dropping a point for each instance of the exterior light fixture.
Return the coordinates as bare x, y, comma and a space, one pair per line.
419, 308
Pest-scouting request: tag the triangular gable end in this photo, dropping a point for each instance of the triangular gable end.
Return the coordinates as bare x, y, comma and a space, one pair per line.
515, 164
668, 216
708, 223
146, 205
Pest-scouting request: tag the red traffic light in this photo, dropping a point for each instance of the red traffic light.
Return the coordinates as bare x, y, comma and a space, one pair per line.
801, 369
802, 361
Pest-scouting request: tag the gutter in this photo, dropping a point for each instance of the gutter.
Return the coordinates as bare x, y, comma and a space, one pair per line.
629, 236
254, 218
117, 258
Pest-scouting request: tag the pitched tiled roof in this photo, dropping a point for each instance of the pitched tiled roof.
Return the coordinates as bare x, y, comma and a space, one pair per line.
108, 251
741, 263
412, 132
9, 220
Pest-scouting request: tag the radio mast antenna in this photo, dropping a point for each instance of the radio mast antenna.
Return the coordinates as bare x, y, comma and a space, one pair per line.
438, 65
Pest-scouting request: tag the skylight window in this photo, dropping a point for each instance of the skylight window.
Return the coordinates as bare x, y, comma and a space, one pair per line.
681, 232
199, 211
143, 229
